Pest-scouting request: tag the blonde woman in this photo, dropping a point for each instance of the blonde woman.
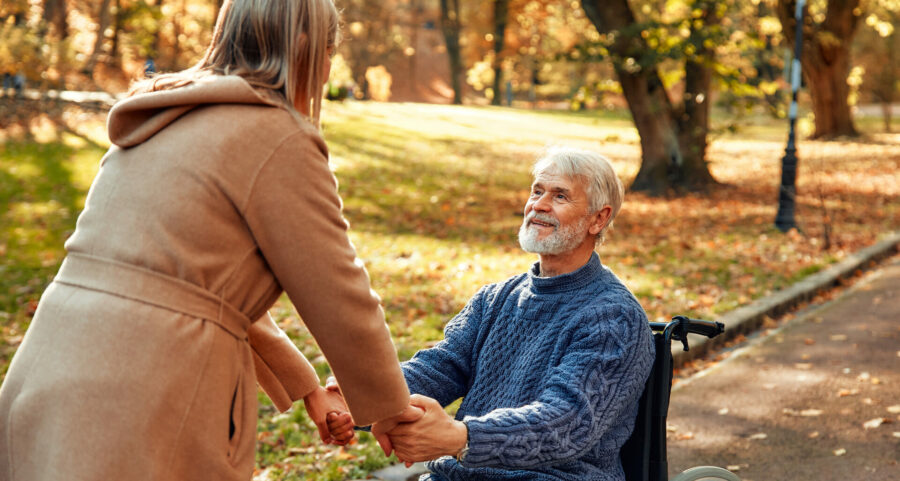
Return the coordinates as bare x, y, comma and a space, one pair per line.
143, 358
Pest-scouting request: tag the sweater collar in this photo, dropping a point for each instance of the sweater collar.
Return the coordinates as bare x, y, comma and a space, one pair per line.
577, 279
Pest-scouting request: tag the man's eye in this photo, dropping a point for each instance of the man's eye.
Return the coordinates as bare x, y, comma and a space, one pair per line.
561, 197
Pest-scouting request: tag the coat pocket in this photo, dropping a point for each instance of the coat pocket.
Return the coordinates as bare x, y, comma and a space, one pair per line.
236, 419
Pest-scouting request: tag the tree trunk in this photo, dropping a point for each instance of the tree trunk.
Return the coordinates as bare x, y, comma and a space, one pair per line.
450, 26
501, 12
102, 24
664, 168
55, 14
826, 62
117, 31
694, 121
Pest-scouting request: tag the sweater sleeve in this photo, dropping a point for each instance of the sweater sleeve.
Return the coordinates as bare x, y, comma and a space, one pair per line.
443, 371
294, 213
598, 380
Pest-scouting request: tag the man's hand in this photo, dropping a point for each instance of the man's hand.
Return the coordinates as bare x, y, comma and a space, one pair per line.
436, 434
381, 428
319, 404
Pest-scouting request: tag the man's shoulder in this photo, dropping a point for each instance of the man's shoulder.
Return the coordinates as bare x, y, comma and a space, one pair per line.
503, 289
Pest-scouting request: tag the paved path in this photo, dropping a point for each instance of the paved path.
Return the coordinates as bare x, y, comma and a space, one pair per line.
816, 400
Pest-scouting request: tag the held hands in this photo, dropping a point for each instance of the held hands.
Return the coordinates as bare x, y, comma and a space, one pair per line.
433, 435
322, 405
423, 431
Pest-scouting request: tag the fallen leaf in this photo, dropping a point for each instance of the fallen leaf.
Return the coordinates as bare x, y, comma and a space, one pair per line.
896, 434
813, 435
768, 386
803, 365
873, 423
809, 341
849, 392
838, 337
840, 452
804, 413
759, 436
876, 381
723, 411
868, 401
894, 409
863, 376
685, 437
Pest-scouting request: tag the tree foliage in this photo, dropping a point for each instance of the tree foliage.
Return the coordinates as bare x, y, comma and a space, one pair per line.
828, 29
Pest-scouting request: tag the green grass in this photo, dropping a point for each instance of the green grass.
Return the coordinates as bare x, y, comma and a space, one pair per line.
434, 196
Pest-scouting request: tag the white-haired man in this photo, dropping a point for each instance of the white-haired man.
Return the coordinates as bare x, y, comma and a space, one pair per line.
550, 363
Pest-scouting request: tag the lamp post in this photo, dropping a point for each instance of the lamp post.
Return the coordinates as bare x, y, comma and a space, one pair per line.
784, 220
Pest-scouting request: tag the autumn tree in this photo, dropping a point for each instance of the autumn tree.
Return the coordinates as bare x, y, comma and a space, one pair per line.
826, 62
103, 16
876, 54
56, 15
450, 27
501, 12
673, 135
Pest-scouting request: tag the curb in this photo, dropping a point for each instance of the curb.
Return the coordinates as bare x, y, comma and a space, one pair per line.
750, 318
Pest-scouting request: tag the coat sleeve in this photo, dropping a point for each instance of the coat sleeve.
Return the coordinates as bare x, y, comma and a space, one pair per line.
586, 397
294, 213
281, 369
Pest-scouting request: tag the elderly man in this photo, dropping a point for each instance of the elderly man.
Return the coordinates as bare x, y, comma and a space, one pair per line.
550, 363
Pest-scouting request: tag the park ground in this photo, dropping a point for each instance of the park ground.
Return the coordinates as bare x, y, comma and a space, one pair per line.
434, 196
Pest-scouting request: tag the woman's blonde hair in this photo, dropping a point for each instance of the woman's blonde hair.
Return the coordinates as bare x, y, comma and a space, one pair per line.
279, 45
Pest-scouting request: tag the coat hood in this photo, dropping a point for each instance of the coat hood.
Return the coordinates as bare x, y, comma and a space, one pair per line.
139, 117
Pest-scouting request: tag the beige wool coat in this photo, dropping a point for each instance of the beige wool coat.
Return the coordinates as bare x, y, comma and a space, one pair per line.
142, 360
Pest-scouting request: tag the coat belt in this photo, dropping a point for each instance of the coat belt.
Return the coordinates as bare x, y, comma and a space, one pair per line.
140, 284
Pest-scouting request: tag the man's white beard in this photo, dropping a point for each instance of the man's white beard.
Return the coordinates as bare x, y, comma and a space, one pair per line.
561, 240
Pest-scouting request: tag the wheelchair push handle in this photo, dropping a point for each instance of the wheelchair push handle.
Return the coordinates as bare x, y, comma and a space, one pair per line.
679, 327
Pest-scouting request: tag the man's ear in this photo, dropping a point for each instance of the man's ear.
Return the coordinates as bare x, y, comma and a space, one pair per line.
601, 218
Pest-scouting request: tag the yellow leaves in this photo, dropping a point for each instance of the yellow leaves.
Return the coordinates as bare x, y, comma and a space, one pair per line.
758, 436
839, 452
847, 392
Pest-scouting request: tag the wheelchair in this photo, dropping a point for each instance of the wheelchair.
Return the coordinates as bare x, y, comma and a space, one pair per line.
644, 454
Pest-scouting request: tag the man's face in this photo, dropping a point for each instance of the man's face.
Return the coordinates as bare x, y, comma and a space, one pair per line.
557, 217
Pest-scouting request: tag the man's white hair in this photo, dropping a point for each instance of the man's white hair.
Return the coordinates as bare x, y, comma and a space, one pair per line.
602, 185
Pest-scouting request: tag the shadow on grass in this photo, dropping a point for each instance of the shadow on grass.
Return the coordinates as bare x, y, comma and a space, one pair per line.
402, 182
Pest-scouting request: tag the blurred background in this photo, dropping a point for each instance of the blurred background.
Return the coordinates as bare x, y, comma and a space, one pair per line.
436, 110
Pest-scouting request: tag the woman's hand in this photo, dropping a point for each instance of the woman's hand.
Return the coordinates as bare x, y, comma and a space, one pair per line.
324, 402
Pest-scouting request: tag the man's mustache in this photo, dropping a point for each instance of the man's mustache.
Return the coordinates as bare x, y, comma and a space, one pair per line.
541, 217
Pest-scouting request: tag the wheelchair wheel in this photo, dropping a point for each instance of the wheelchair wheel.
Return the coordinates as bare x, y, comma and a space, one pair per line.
706, 472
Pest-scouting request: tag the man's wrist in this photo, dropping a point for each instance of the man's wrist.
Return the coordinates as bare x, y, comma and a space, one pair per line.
464, 450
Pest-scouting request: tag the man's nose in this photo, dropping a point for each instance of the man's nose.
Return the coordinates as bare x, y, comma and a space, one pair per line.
541, 204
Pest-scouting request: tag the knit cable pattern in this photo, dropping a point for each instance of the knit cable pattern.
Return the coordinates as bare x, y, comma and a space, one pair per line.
550, 371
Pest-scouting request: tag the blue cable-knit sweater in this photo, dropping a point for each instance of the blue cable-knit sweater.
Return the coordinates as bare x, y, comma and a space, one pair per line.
550, 370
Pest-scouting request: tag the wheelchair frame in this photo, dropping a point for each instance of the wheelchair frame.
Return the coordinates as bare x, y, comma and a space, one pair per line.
644, 454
